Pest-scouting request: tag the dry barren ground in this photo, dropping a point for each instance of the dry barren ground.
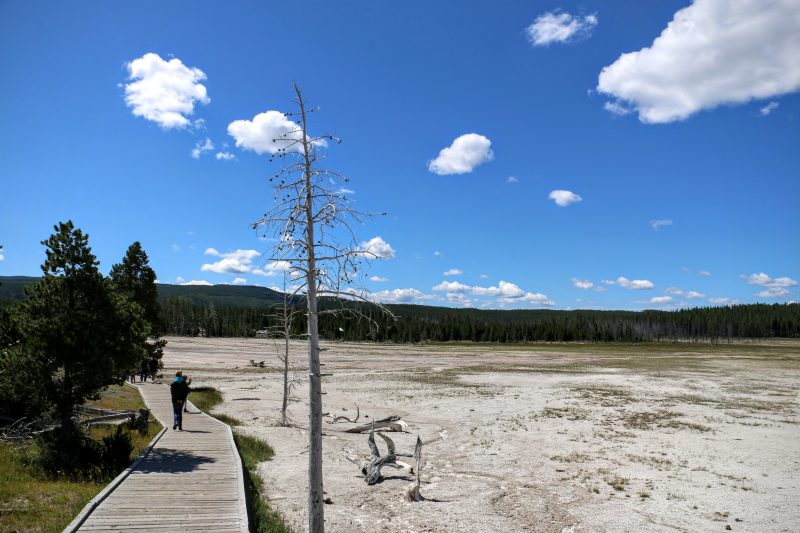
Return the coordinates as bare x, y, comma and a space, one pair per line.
563, 438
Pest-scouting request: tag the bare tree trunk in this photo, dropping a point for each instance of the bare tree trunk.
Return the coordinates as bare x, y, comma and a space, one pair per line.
316, 511
286, 331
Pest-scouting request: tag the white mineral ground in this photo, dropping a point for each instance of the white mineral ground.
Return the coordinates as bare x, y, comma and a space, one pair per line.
562, 438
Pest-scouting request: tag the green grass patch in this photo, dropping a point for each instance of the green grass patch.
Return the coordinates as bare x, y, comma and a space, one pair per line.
31, 502
262, 518
206, 398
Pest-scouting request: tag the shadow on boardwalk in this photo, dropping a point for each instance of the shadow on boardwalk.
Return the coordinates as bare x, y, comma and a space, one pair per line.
168, 461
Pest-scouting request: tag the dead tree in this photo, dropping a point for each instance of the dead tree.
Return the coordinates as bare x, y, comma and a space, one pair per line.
284, 317
311, 223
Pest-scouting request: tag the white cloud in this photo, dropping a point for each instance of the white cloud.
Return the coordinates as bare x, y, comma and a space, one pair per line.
239, 281
504, 289
530, 297
557, 27
704, 273
722, 301
512, 179
279, 266
713, 52
437, 254
769, 108
452, 287
379, 279
345, 190
584, 284
164, 92
268, 132
377, 247
634, 284
685, 294
660, 299
225, 156
202, 147
764, 280
175, 248
237, 262
179, 280
458, 298
774, 292
453, 272
196, 282
2, 257
608, 282
401, 296
656, 224
617, 108
466, 152
484, 276
564, 198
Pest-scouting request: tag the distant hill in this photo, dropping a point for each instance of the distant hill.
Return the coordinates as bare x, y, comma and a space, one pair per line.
219, 295
11, 286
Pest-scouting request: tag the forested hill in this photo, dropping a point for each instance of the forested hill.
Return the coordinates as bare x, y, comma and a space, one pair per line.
234, 311
11, 288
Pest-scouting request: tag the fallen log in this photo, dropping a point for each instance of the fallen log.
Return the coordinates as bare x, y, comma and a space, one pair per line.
342, 417
390, 423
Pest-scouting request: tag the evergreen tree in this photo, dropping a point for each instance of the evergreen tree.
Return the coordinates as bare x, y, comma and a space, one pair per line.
79, 335
134, 278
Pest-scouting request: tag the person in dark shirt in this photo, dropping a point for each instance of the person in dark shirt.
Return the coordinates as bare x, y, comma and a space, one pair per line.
179, 390
144, 370
153, 367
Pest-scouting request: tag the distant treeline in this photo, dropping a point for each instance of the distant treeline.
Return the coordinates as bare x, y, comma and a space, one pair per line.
182, 316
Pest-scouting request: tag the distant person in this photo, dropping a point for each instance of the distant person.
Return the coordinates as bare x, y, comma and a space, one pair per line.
132, 376
153, 367
144, 370
179, 390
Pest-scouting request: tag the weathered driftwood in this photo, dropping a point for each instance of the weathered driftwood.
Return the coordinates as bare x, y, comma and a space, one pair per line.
390, 423
412, 494
346, 419
260, 364
371, 470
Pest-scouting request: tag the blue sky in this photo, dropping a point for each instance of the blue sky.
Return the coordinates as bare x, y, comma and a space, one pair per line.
677, 168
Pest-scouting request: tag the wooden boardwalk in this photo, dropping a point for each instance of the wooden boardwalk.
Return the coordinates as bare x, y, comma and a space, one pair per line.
190, 481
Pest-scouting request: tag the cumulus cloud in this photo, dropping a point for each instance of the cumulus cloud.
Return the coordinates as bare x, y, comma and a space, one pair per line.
764, 280
684, 294
722, 301
633, 284
584, 284
769, 108
225, 156
202, 147
452, 286
656, 224
466, 152
453, 272
2, 257
564, 198
268, 133
660, 299
164, 92
377, 247
379, 279
713, 52
505, 293
239, 281
512, 179
237, 262
559, 27
774, 292
196, 282
437, 254
401, 296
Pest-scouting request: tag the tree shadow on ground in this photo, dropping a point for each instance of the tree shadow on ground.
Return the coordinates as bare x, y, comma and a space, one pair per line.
167, 461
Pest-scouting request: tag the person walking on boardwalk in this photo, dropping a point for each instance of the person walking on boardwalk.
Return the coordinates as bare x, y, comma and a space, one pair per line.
179, 390
153, 367
144, 370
